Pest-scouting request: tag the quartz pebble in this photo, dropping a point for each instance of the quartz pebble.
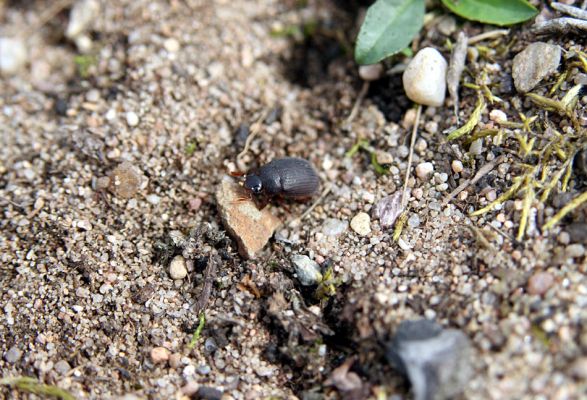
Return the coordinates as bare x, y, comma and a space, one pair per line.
497, 116
425, 78
13, 355
575, 250
178, 268
457, 166
423, 170
334, 227
13, 55
533, 64
159, 355
307, 270
81, 16
361, 224
132, 119
540, 282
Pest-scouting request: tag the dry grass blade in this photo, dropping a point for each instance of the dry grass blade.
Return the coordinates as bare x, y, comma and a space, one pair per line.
31, 385
471, 123
455, 69
573, 204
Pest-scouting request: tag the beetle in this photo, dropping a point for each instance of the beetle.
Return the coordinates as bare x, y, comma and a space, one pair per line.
289, 178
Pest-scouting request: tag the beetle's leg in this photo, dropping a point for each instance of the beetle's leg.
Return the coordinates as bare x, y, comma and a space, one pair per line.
236, 173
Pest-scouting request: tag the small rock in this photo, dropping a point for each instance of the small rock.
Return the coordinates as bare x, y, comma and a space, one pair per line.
178, 268
159, 355
307, 270
126, 180
13, 355
564, 238
371, 72
361, 224
436, 361
132, 119
423, 170
252, 228
497, 116
476, 147
421, 146
13, 55
209, 393
491, 195
171, 45
203, 369
425, 78
540, 282
575, 251
334, 227
81, 16
190, 389
577, 232
414, 221
457, 166
175, 360
388, 209
62, 367
533, 64
579, 368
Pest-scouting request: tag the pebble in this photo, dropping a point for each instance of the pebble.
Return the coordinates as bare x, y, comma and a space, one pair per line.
178, 268
171, 45
476, 147
497, 115
420, 146
371, 72
190, 389
159, 355
175, 360
388, 209
436, 361
575, 251
132, 119
62, 367
13, 55
425, 78
13, 355
81, 16
564, 238
491, 195
153, 199
579, 368
540, 282
577, 232
457, 166
306, 269
334, 227
423, 170
533, 64
250, 227
414, 221
361, 224
204, 369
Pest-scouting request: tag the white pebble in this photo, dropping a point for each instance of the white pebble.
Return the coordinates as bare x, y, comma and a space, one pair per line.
476, 147
497, 115
178, 268
424, 169
361, 224
171, 45
13, 55
425, 78
457, 166
371, 72
132, 119
80, 17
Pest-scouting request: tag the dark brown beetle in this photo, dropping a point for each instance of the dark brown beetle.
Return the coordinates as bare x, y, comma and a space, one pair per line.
289, 178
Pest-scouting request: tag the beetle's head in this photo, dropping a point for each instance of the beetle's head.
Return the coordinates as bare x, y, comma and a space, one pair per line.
253, 183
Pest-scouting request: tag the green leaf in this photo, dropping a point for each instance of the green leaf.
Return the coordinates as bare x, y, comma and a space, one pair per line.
496, 12
389, 27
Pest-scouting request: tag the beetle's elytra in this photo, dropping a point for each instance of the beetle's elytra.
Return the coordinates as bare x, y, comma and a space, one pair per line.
293, 178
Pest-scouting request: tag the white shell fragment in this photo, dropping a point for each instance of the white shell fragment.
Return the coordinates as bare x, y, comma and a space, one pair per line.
13, 55
425, 78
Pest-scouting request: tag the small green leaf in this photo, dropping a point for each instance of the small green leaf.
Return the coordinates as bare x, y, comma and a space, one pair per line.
389, 27
496, 12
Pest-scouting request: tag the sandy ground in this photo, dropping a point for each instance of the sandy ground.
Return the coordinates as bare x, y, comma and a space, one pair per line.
86, 293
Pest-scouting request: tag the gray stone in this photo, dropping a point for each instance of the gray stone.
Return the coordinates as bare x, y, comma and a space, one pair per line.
62, 367
307, 270
13, 355
534, 63
436, 361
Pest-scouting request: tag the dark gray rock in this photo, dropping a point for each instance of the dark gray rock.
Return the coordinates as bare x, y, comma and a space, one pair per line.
435, 360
